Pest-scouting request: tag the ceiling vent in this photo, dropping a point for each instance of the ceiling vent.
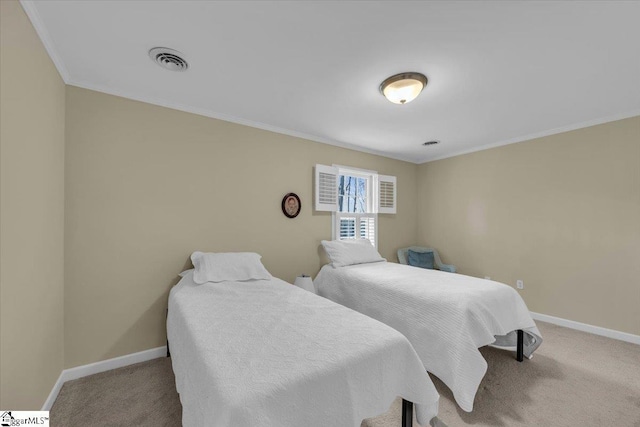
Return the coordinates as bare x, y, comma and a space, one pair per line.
168, 58
430, 143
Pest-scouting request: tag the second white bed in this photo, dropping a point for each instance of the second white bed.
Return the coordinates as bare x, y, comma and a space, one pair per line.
445, 316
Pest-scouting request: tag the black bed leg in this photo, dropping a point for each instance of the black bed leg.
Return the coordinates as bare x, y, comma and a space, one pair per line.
168, 352
407, 413
519, 350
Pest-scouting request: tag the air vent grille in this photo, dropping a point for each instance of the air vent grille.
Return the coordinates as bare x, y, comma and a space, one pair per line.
168, 58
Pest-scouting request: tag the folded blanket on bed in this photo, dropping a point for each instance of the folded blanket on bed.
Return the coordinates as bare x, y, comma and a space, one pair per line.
269, 354
445, 316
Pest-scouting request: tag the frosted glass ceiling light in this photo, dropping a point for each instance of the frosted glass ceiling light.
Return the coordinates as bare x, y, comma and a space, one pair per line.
404, 87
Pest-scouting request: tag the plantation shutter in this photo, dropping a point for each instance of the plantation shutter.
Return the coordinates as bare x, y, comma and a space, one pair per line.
356, 226
387, 194
368, 229
346, 226
326, 188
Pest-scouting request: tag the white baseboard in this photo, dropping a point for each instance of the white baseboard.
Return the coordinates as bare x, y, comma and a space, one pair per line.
154, 353
102, 366
584, 327
54, 394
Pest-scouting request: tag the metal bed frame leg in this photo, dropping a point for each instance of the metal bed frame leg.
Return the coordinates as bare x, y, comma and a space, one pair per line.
407, 413
168, 352
407, 407
520, 346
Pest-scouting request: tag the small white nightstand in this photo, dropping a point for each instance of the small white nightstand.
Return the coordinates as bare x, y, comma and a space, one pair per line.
305, 283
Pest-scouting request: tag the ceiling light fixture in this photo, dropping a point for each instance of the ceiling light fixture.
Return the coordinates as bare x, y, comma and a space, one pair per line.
403, 88
168, 58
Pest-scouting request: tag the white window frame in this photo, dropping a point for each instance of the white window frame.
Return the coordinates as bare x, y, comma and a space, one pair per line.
372, 203
381, 199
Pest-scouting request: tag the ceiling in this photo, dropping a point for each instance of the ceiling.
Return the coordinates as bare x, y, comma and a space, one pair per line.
499, 72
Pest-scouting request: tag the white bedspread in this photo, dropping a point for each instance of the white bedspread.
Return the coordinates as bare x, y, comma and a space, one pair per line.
268, 354
446, 316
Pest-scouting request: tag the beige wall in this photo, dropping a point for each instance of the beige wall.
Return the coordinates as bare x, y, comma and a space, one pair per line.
561, 213
32, 108
146, 186
139, 187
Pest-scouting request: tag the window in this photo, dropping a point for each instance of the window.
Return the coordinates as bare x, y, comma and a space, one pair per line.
355, 197
355, 217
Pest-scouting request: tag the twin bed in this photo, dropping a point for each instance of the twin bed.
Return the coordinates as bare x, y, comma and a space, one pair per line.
255, 350
447, 317
261, 352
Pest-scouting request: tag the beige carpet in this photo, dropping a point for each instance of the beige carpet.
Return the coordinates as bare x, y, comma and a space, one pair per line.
575, 379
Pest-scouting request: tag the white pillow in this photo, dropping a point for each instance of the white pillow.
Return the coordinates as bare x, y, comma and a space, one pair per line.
232, 267
349, 252
184, 273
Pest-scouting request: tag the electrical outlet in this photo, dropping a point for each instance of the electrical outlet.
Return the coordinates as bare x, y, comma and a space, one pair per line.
487, 278
520, 284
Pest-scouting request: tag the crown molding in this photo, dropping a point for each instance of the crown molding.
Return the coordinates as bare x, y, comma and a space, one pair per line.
31, 10
233, 119
554, 131
259, 125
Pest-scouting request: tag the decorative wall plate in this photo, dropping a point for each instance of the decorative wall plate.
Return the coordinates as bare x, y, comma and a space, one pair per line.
291, 205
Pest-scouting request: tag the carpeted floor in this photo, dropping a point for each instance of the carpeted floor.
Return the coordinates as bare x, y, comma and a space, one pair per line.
574, 379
